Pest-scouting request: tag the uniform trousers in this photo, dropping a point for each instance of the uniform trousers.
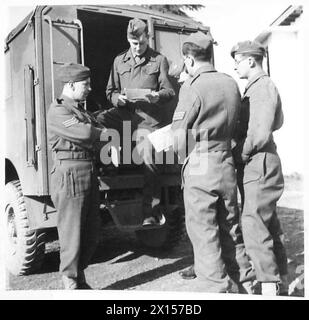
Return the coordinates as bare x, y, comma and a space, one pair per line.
262, 182
152, 169
75, 194
212, 222
145, 155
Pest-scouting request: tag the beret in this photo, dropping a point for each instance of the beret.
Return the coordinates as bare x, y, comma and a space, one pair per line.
73, 72
200, 39
248, 47
136, 27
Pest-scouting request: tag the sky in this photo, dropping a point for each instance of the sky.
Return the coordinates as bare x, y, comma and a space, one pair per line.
234, 21
242, 17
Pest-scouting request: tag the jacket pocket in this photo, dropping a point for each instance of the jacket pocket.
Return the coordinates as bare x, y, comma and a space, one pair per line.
153, 69
122, 69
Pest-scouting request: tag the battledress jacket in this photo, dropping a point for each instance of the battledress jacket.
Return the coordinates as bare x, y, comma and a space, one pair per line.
151, 72
71, 129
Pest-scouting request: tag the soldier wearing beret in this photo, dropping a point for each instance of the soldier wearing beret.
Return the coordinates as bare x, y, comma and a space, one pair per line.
72, 134
208, 106
259, 168
140, 67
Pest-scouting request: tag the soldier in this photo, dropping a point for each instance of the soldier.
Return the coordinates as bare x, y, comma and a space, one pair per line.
140, 67
260, 173
74, 185
182, 75
208, 105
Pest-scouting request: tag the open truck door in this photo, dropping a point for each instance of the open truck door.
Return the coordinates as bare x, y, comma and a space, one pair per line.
90, 35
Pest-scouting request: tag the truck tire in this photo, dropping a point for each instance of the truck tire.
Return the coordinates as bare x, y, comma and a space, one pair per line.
167, 236
25, 248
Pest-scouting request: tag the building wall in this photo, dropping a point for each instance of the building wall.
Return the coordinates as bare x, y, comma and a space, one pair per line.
287, 60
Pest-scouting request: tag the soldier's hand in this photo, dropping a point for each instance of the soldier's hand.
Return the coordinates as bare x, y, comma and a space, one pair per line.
122, 100
153, 97
245, 158
183, 77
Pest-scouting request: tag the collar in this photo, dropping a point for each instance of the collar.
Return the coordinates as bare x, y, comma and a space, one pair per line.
203, 69
69, 101
147, 55
72, 106
255, 78
128, 55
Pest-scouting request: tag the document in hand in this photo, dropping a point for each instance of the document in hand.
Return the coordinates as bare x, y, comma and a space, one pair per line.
162, 138
137, 94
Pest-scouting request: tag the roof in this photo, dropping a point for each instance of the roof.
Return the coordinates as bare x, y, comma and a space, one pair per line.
288, 16
156, 15
20, 26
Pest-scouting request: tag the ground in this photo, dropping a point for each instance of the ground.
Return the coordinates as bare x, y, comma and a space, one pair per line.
121, 263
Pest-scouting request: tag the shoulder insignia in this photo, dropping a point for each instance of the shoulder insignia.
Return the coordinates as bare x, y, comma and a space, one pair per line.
70, 122
179, 115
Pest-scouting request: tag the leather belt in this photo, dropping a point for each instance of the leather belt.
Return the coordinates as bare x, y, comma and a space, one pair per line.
76, 155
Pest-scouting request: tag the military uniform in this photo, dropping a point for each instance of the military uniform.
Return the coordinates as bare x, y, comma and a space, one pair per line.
150, 72
208, 105
72, 134
260, 174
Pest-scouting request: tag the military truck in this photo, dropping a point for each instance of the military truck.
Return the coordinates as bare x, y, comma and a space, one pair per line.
91, 35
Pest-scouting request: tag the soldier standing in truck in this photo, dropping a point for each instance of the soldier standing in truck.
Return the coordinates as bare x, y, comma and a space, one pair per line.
74, 185
140, 67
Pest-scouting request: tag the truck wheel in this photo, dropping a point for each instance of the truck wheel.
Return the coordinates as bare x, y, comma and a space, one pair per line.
167, 236
25, 247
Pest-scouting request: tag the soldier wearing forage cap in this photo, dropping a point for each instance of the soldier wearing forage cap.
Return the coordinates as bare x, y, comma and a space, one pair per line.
140, 67
208, 105
260, 175
72, 134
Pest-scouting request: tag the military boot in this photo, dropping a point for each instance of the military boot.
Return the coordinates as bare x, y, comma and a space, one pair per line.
69, 283
284, 286
81, 281
188, 274
246, 287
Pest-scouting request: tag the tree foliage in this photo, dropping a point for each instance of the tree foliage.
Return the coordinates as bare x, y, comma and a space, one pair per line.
175, 9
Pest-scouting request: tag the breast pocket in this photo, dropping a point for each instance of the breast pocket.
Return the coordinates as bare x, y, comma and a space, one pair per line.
150, 74
124, 69
152, 69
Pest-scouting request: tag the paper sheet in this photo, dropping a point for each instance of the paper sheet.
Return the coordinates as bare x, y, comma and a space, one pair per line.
137, 94
162, 138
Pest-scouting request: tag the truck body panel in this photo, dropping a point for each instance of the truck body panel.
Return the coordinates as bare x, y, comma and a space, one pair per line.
36, 48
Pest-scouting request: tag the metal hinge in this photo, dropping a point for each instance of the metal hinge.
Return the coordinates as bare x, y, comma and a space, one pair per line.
36, 81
